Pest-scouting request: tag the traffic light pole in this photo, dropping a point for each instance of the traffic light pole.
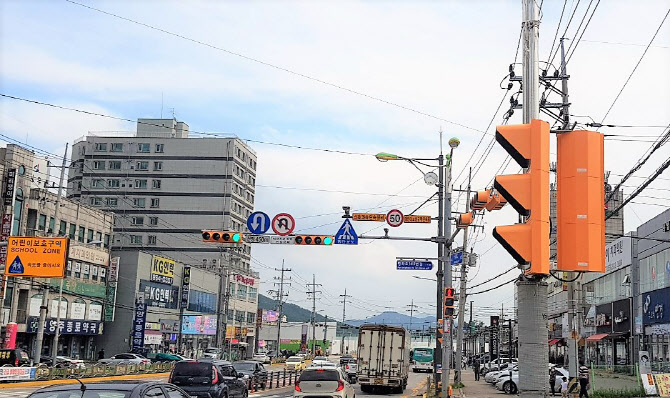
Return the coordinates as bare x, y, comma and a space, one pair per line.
462, 296
531, 293
446, 359
439, 362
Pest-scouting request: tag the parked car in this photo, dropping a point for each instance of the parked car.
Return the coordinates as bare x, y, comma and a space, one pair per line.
212, 352
164, 357
510, 386
63, 362
209, 379
323, 382
492, 375
125, 358
14, 357
125, 389
254, 371
295, 363
262, 357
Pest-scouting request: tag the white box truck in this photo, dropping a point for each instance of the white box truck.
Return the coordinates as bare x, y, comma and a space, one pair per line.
383, 357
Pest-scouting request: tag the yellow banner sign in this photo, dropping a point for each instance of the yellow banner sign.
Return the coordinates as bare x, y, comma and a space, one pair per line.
418, 219
162, 269
663, 384
368, 217
36, 257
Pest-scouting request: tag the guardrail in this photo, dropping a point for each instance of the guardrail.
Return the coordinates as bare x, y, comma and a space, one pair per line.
44, 372
274, 379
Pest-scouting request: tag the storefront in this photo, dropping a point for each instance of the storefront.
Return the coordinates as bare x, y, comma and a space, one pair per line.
612, 342
198, 333
656, 323
76, 336
170, 334
621, 332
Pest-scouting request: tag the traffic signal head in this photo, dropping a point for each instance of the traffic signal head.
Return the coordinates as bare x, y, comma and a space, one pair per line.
222, 237
496, 202
580, 213
314, 240
449, 302
528, 193
464, 220
480, 199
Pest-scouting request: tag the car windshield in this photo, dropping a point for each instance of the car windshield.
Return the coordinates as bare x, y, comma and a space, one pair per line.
76, 393
294, 359
320, 358
193, 369
211, 350
248, 366
320, 375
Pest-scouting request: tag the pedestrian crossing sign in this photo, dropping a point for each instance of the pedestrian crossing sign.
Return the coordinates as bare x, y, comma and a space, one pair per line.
346, 235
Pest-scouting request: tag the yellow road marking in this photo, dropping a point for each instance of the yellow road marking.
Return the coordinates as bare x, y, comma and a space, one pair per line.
84, 380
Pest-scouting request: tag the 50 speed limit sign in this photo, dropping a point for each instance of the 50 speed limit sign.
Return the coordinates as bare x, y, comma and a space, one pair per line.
395, 218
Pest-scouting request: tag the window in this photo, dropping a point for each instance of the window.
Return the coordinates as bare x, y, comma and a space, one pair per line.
242, 292
98, 236
160, 148
155, 202
95, 201
142, 147
113, 183
174, 393
116, 147
136, 239
98, 165
98, 183
73, 231
156, 184
251, 317
139, 220
153, 221
231, 314
82, 232
151, 240
139, 202
142, 165
68, 268
141, 184
158, 166
202, 302
42, 223
101, 147
62, 228
112, 202
253, 294
77, 269
85, 270
115, 165
106, 241
94, 272
90, 235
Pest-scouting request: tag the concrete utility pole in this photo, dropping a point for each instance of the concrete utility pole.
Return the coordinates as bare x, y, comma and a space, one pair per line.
411, 316
344, 316
313, 292
462, 295
446, 359
280, 303
439, 360
531, 293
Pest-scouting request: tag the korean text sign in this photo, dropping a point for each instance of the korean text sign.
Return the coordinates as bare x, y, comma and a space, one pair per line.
36, 257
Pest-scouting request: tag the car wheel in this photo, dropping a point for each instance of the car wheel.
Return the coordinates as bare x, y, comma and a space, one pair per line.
508, 387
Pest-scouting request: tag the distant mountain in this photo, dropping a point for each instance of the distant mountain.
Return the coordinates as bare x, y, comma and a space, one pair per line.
397, 319
292, 312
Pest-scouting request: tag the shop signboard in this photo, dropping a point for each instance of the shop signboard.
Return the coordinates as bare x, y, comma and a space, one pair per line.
114, 269
185, 287
162, 270
618, 254
663, 384
621, 321
8, 192
169, 325
270, 317
199, 324
9, 338
78, 310
67, 326
303, 337
17, 373
159, 295
89, 255
110, 302
36, 257
71, 285
94, 312
139, 323
245, 280
604, 318
653, 306
152, 337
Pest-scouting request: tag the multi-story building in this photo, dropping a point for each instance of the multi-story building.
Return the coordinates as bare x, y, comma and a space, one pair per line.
165, 187
84, 286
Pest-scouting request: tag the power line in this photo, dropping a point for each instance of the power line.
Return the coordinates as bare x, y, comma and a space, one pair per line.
280, 68
641, 187
551, 50
582, 34
493, 288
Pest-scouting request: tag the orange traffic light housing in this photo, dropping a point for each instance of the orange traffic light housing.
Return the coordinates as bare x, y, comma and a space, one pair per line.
314, 240
528, 193
464, 220
222, 237
480, 199
580, 198
496, 202
449, 302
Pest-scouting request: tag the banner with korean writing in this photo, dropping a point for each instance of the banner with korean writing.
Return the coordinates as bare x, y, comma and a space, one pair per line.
36, 257
17, 373
663, 384
67, 326
159, 295
185, 287
8, 191
139, 323
162, 270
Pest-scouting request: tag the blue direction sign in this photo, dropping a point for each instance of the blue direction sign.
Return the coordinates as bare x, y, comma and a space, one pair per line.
258, 222
414, 265
456, 258
346, 235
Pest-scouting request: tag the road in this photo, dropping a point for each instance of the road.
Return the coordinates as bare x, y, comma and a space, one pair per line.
416, 386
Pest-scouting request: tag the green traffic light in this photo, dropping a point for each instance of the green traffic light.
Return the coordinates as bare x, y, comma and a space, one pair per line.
236, 237
328, 240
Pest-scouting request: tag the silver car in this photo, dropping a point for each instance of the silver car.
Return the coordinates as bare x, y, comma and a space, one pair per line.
126, 358
320, 382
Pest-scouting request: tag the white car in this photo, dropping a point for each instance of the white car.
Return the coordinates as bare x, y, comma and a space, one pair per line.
320, 382
261, 357
125, 358
510, 386
212, 352
318, 361
492, 376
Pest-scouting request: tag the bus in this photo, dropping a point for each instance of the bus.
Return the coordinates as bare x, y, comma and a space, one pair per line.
423, 359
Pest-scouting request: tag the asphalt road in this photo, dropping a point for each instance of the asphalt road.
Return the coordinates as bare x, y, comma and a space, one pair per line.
415, 387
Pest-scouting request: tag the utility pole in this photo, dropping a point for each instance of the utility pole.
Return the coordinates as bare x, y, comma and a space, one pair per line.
344, 316
45, 295
462, 296
471, 346
446, 219
313, 292
439, 357
411, 315
531, 293
325, 333
280, 303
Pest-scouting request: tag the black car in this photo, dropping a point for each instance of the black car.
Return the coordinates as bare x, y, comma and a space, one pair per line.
209, 379
254, 371
117, 389
14, 357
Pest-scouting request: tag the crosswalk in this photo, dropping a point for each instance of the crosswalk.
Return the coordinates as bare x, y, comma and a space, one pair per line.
15, 393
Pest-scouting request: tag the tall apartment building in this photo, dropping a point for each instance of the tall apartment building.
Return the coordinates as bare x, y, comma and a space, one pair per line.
165, 187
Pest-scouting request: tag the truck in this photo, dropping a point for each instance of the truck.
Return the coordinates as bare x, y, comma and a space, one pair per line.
383, 358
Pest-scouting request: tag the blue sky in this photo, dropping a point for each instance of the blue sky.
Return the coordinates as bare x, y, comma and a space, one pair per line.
441, 58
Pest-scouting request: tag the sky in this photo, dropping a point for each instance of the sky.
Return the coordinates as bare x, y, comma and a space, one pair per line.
353, 76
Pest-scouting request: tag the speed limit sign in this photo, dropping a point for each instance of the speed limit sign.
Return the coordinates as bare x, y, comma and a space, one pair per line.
395, 218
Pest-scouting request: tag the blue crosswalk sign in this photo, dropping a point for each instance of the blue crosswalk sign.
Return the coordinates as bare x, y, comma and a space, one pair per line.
258, 222
346, 235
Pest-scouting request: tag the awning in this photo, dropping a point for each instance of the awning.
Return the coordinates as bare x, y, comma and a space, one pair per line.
553, 341
596, 337
617, 335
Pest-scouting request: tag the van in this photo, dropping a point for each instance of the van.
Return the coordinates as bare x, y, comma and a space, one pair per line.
14, 357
